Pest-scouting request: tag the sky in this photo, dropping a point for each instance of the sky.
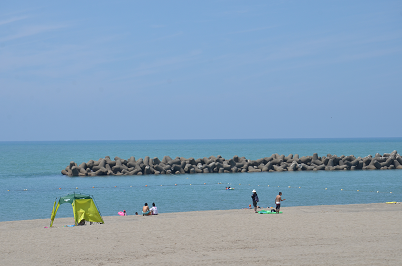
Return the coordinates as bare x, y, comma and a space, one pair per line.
158, 70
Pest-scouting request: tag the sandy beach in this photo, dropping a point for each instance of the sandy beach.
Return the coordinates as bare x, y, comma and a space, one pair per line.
369, 234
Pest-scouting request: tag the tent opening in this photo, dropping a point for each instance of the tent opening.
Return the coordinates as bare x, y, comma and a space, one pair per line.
84, 208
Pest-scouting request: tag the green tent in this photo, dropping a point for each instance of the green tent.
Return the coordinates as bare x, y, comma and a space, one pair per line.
84, 208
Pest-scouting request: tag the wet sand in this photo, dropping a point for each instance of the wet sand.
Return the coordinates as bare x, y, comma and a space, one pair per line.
365, 234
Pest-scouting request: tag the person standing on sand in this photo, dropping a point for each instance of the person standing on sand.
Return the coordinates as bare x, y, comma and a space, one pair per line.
255, 199
278, 200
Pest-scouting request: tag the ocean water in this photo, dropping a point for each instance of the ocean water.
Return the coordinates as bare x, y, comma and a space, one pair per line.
30, 178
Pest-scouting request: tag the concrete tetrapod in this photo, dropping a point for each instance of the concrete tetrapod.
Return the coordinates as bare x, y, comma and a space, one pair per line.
218, 164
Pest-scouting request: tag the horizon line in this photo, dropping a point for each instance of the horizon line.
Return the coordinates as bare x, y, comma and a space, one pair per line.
221, 139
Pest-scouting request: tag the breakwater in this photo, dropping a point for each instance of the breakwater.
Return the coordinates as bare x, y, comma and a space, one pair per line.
212, 164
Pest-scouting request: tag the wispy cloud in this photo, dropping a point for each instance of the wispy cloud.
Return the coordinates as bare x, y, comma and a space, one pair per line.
161, 65
11, 20
232, 12
252, 30
158, 26
171, 60
313, 62
31, 31
167, 37
299, 52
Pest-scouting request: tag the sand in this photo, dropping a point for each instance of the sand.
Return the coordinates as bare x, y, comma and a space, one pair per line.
368, 234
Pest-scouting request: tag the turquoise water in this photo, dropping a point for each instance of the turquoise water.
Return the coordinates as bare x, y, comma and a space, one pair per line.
30, 177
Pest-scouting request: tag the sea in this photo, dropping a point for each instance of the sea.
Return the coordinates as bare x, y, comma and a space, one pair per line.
31, 179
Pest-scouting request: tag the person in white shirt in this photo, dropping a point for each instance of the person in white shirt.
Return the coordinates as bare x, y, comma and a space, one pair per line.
154, 209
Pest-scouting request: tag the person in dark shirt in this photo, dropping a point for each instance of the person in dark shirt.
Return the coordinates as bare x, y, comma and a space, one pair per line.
255, 199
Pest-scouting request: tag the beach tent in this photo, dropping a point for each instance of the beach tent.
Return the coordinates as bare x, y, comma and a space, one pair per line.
83, 208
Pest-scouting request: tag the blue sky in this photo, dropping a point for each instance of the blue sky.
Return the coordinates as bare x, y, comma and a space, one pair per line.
140, 70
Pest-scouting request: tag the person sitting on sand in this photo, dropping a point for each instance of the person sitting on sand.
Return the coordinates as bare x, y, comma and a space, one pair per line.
278, 200
145, 210
154, 209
